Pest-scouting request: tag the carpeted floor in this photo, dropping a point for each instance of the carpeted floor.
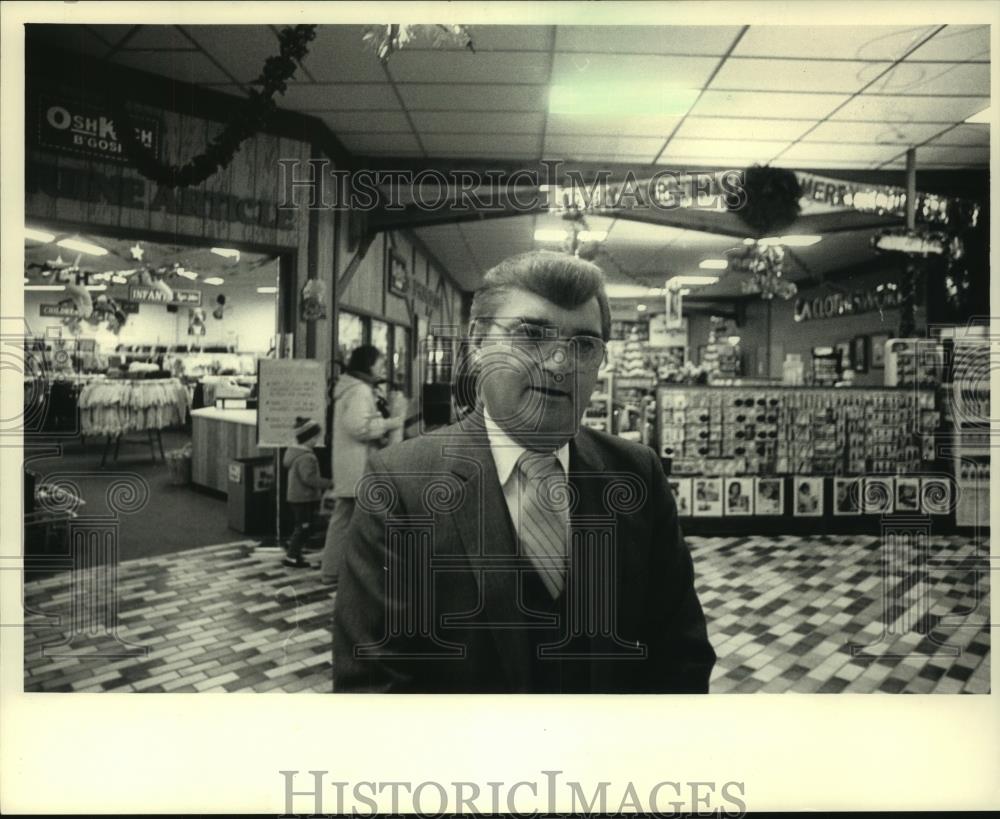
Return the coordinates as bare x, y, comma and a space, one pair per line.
823, 614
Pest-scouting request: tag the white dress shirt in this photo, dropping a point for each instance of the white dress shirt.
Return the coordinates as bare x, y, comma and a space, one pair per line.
506, 452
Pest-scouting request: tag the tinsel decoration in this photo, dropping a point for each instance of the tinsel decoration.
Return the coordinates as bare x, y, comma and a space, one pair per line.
386, 40
250, 118
764, 264
772, 199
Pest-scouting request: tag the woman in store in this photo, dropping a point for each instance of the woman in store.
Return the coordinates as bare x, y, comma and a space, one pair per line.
362, 423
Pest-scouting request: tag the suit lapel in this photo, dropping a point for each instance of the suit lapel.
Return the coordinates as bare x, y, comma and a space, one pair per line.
487, 533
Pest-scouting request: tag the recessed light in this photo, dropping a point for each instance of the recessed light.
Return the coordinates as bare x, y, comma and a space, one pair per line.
229, 253
80, 246
550, 235
214, 280
641, 308
713, 264
38, 235
691, 281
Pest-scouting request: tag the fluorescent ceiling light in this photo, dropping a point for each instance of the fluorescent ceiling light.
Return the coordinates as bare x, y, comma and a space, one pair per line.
187, 274
45, 287
38, 235
126, 272
97, 288
632, 291
116, 279
267, 290
550, 235
592, 235
713, 264
691, 281
984, 117
627, 96
214, 280
802, 240
81, 246
229, 253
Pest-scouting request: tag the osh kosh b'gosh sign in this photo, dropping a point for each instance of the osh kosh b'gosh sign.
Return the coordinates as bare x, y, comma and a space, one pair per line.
81, 129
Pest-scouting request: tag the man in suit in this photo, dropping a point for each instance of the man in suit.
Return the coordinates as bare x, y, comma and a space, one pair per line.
515, 551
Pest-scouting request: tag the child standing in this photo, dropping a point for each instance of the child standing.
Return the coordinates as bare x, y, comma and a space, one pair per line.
305, 488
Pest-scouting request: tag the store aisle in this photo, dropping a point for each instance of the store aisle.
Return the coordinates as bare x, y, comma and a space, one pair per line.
782, 612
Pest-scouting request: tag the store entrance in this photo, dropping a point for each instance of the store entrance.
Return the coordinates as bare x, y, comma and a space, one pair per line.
143, 367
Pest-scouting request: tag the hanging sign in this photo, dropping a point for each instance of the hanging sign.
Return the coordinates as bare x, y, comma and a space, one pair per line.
836, 305
289, 391
66, 310
82, 129
147, 294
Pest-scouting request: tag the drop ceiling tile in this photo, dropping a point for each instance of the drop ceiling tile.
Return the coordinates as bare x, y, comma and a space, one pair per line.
761, 103
910, 109
744, 129
605, 70
699, 40
339, 54
935, 78
897, 133
158, 37
366, 122
796, 75
437, 97
241, 50
639, 124
637, 161
966, 134
464, 66
73, 38
482, 144
379, 143
815, 151
511, 38
725, 147
190, 67
971, 155
956, 43
349, 96
847, 42
430, 122
571, 146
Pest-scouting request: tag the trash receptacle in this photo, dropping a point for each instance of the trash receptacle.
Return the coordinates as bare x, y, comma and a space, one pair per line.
179, 466
251, 495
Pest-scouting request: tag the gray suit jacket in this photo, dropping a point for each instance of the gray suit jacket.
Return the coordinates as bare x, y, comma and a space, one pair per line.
431, 595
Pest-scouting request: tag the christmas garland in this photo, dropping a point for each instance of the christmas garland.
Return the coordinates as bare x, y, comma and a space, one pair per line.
772, 198
249, 119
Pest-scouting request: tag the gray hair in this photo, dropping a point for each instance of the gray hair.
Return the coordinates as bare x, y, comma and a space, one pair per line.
560, 278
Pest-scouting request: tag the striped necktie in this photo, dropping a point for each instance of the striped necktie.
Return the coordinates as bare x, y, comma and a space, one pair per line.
542, 518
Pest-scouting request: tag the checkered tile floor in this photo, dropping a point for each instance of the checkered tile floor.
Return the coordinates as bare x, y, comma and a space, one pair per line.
783, 615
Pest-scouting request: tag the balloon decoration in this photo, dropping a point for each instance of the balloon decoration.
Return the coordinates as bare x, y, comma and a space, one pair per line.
764, 263
386, 40
220, 307
772, 199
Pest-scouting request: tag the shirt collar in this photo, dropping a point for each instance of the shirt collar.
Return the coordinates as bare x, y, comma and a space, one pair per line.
506, 451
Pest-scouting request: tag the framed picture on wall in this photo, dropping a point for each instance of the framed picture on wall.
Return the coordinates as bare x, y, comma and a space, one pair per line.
681, 487
847, 496
708, 497
808, 496
859, 354
769, 497
877, 342
739, 496
397, 274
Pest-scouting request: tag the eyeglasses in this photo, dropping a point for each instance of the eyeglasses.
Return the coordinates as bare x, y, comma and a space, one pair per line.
590, 351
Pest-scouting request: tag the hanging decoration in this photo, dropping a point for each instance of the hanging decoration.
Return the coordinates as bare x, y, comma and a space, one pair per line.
313, 300
220, 307
764, 265
196, 321
137, 251
386, 40
772, 199
251, 117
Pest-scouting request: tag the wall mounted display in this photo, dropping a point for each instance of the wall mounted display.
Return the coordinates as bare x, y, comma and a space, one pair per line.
398, 278
907, 494
708, 497
769, 496
878, 495
739, 496
847, 496
935, 495
859, 354
681, 487
808, 496
877, 341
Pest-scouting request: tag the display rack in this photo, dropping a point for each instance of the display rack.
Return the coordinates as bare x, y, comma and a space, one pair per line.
599, 414
634, 409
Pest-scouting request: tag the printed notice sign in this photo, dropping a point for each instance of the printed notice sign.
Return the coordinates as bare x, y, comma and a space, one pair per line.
288, 392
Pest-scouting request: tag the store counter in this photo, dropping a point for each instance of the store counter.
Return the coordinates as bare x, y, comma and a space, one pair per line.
217, 438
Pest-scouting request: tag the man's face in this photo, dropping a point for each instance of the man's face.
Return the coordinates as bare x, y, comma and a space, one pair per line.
537, 392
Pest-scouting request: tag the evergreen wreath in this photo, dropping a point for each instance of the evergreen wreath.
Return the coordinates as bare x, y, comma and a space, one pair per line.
772, 198
251, 117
